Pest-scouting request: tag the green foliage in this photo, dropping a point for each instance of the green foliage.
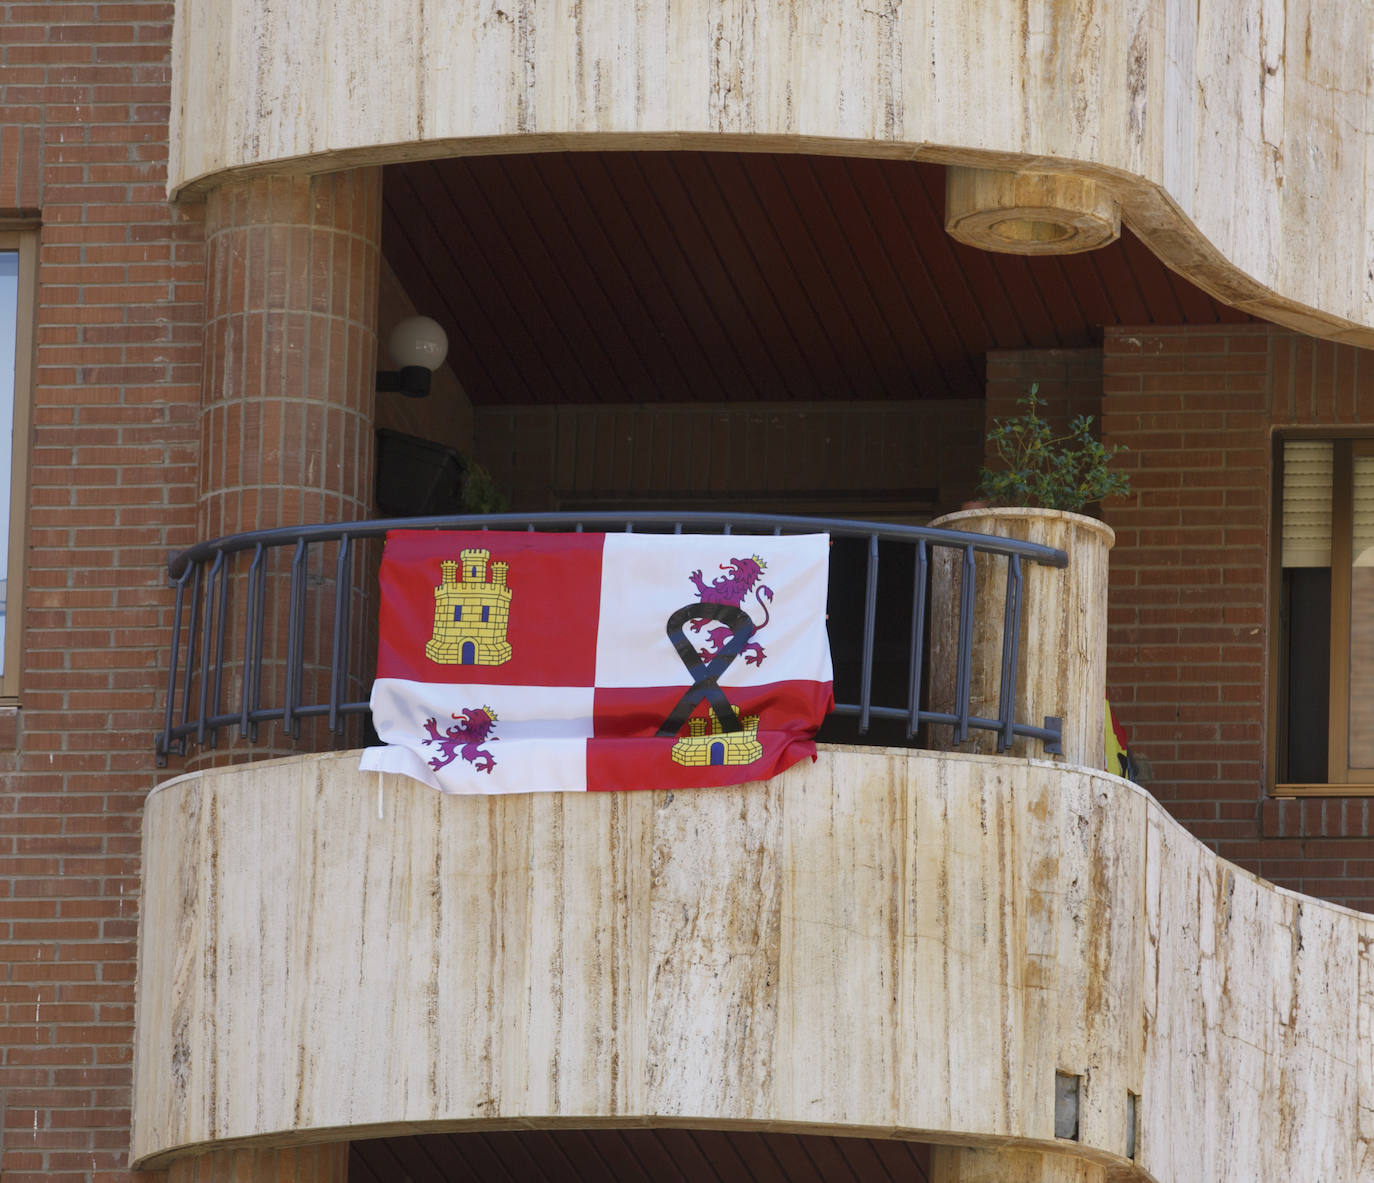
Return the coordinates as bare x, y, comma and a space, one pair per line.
479, 492
1053, 472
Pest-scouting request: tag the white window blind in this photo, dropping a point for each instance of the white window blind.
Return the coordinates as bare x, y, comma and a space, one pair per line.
1307, 503
1362, 511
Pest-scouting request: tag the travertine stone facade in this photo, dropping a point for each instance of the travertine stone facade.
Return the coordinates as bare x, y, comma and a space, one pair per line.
1237, 136
884, 942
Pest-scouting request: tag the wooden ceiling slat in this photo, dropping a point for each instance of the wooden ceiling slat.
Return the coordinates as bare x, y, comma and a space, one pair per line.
774, 191
413, 246
719, 198
794, 1162
864, 1162
630, 278
571, 279
827, 1162
733, 1158
723, 267
683, 1148
1018, 280
931, 307
651, 1154
415, 1159
566, 178
1071, 330
479, 1157
910, 351
1193, 304
873, 336
672, 336
1121, 286
712, 336
584, 1151
1090, 295
769, 1160
635, 1156
492, 233
977, 269
477, 291
903, 1161
1161, 305
777, 259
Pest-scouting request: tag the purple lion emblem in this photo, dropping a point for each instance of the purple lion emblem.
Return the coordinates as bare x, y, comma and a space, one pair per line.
740, 578
473, 729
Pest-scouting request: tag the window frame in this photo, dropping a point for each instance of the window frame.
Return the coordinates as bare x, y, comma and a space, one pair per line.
24, 240
1342, 780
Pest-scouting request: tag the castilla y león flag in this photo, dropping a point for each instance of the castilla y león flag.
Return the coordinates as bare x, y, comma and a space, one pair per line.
523, 662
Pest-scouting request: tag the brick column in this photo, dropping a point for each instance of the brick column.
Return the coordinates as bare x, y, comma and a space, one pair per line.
287, 410
290, 351
304, 1164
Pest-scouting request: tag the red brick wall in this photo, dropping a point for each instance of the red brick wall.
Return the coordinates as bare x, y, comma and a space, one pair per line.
1189, 625
1068, 381
83, 115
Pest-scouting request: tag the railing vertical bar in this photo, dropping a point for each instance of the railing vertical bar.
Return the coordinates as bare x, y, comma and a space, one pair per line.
342, 587
964, 681
260, 605
870, 619
252, 623
301, 587
1011, 643
918, 639
221, 617
164, 742
294, 641
207, 638
193, 623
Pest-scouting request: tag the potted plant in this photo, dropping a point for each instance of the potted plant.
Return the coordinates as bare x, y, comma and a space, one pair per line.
1036, 486
1037, 468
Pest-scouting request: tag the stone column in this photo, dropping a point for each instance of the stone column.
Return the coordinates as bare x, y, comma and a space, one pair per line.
287, 404
303, 1164
965, 1164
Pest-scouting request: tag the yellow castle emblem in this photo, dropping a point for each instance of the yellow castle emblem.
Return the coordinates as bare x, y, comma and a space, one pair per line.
471, 612
706, 744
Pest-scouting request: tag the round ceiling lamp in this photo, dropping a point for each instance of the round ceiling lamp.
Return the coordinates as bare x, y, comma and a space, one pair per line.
1029, 213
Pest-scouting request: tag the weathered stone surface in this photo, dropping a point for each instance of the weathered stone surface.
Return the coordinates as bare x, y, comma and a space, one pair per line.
1236, 134
1062, 651
885, 943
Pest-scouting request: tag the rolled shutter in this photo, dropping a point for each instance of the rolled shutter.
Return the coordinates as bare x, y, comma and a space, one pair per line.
1362, 512
1307, 467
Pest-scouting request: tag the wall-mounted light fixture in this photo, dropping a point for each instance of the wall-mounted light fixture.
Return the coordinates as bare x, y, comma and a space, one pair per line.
418, 345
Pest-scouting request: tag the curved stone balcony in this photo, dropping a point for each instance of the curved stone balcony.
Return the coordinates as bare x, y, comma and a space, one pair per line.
1236, 141
887, 943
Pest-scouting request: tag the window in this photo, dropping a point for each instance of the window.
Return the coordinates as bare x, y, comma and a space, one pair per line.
1325, 645
18, 251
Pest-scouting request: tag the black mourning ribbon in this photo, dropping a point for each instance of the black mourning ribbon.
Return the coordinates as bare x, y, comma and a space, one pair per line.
705, 675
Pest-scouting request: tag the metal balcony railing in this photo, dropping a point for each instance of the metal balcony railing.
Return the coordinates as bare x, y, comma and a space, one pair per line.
260, 636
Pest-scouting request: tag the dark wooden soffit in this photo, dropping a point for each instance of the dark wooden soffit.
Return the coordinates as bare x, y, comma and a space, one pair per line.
636, 1156
679, 276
